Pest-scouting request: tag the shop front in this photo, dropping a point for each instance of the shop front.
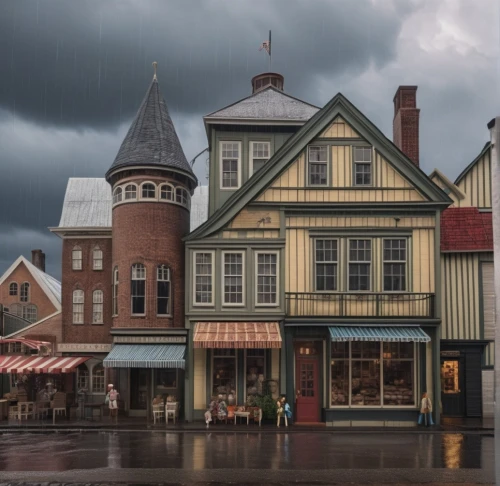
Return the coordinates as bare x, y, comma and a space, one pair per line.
358, 375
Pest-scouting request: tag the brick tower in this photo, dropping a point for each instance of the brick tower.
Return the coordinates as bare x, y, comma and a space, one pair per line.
152, 183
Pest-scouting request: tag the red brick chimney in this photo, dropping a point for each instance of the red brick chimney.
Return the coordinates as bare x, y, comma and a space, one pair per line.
406, 121
38, 259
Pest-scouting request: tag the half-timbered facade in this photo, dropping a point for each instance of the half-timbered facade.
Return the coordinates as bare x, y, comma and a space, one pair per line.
314, 277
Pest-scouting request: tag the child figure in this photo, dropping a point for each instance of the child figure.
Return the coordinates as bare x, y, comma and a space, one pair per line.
425, 411
281, 411
288, 411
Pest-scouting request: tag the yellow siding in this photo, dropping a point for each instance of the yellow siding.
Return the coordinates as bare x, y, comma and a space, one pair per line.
339, 129
477, 184
439, 182
249, 234
252, 218
360, 221
200, 379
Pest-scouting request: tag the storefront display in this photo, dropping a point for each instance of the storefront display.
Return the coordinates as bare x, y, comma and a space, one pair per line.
449, 377
255, 372
224, 374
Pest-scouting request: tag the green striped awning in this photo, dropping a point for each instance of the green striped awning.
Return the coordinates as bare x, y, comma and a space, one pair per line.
145, 356
376, 333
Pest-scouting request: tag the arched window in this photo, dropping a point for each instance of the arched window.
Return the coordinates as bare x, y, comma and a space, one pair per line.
82, 377
16, 309
163, 291
181, 196
25, 292
78, 301
76, 258
13, 288
115, 291
117, 195
97, 258
130, 192
30, 313
98, 383
97, 307
166, 192
138, 289
148, 191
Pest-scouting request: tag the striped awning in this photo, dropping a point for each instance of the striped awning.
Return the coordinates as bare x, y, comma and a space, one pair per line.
41, 364
146, 356
240, 335
376, 333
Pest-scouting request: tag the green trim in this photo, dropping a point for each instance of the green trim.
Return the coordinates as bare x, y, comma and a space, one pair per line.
236, 243
375, 231
473, 163
355, 206
339, 141
486, 257
290, 150
437, 265
346, 188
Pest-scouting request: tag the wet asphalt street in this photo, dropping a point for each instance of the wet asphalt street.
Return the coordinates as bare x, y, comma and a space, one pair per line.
253, 458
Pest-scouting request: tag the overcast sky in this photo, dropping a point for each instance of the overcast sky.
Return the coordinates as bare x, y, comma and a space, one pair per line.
73, 74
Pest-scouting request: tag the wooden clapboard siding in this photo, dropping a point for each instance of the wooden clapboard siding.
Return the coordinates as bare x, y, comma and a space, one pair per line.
488, 398
460, 296
200, 379
254, 218
249, 234
476, 184
425, 222
339, 129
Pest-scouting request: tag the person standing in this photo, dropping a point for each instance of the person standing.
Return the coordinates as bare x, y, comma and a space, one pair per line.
112, 401
425, 411
280, 411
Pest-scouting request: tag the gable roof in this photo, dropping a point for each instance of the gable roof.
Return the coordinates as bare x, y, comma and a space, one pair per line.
473, 163
152, 139
466, 229
452, 187
87, 203
290, 150
50, 286
269, 104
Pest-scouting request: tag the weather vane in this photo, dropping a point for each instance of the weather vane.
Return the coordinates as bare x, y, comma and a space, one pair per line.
155, 65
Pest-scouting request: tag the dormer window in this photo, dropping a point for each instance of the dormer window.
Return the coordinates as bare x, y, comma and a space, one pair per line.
259, 155
148, 191
130, 192
230, 165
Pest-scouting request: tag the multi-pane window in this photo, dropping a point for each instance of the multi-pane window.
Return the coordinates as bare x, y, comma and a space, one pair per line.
78, 302
395, 265
163, 290
13, 288
30, 313
259, 155
318, 165
326, 256
97, 307
115, 291
14, 348
97, 258
16, 309
362, 166
130, 191
233, 278
98, 381
76, 258
230, 165
360, 257
117, 195
181, 196
148, 191
138, 289
24, 295
267, 278
203, 278
167, 192
83, 378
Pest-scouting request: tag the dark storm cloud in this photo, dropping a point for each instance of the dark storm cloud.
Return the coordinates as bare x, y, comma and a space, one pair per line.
88, 62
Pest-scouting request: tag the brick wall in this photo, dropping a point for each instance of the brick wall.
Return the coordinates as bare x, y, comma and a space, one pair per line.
406, 122
37, 296
87, 280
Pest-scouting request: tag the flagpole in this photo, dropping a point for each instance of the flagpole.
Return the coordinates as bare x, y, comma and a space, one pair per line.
269, 50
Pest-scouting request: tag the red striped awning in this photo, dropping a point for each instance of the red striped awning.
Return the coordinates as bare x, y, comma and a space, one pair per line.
241, 335
41, 364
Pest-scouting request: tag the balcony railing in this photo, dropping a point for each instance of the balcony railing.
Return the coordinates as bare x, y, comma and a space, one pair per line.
360, 304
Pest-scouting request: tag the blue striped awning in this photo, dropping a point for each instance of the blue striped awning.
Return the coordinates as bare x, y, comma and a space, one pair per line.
146, 356
376, 333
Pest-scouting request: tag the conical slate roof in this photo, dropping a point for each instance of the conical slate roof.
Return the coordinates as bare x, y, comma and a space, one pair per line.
151, 139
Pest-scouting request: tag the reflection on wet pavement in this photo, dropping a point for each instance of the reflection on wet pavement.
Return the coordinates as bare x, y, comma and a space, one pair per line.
197, 451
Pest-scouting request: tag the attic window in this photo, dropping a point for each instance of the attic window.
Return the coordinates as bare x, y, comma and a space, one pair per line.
318, 165
13, 288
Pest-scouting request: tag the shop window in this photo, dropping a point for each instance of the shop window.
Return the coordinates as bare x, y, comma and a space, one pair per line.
76, 258
83, 378
97, 258
326, 260
78, 302
372, 374
255, 369
163, 290
98, 382
395, 265
115, 291
233, 278
117, 195
360, 257
224, 372
30, 312
138, 289
203, 277
449, 377
13, 288
97, 307
166, 378
267, 278
25, 292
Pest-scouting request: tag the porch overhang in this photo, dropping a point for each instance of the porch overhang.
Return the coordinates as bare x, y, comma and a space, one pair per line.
146, 356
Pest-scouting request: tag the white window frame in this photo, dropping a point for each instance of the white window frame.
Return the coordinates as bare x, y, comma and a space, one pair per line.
132, 270
159, 270
221, 171
12, 286
30, 312
166, 185
144, 198
98, 307
256, 296
243, 276
83, 378
97, 256
78, 300
362, 262
395, 261
27, 297
97, 379
116, 275
184, 195
337, 262
212, 278
76, 256
308, 165
118, 192
125, 192
251, 152
362, 162
16, 309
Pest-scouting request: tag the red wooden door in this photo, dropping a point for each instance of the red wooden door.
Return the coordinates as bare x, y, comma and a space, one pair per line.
307, 390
